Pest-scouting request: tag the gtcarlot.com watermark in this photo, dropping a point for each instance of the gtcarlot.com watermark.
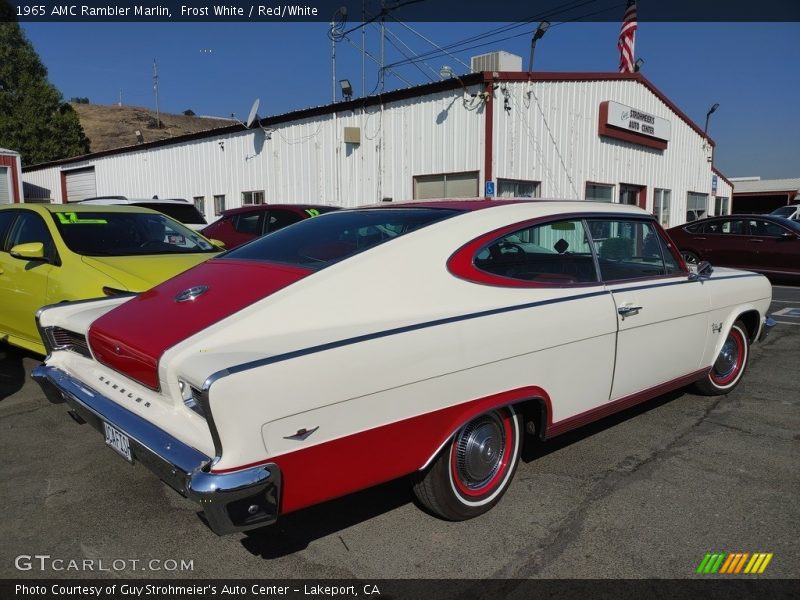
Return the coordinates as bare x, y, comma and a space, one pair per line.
45, 562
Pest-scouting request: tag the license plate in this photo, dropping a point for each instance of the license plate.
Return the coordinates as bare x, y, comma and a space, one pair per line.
118, 441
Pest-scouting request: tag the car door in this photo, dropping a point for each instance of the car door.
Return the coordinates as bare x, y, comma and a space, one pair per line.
24, 283
771, 250
662, 316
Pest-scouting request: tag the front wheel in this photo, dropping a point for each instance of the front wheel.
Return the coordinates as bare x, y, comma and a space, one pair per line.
731, 362
474, 469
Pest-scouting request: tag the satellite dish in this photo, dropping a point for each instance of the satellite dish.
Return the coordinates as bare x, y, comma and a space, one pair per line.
253, 116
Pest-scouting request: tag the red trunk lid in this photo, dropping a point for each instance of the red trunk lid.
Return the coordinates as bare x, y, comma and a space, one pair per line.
132, 338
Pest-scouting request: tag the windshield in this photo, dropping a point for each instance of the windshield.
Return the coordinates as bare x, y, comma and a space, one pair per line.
784, 211
185, 213
108, 233
317, 243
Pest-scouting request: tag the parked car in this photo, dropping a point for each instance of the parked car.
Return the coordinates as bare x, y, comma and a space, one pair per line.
237, 226
58, 252
423, 339
177, 208
791, 212
763, 243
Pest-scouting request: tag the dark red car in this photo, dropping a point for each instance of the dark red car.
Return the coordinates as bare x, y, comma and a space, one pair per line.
763, 243
240, 225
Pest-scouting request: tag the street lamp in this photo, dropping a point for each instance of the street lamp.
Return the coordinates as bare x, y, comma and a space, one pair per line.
708, 116
540, 31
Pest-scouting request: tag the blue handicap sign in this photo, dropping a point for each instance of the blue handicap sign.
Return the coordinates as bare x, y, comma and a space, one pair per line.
489, 188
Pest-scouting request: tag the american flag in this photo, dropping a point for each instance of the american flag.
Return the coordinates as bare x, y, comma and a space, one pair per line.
627, 35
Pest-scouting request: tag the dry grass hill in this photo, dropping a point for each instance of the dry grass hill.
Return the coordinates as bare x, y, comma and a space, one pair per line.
115, 126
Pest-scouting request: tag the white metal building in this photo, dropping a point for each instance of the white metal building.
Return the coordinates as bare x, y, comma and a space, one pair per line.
601, 136
10, 176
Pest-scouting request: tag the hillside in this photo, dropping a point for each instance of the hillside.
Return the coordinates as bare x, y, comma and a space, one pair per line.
115, 126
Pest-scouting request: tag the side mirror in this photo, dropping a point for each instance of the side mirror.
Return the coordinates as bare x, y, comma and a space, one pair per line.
218, 243
703, 271
29, 251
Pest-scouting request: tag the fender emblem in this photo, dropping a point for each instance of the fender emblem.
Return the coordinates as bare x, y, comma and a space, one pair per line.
191, 293
716, 327
301, 434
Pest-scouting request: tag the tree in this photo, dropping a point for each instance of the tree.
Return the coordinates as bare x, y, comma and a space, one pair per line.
34, 119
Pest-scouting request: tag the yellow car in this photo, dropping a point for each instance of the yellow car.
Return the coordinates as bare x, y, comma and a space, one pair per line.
51, 253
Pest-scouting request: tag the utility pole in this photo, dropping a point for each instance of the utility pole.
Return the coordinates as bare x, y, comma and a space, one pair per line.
383, 38
363, 48
155, 91
333, 62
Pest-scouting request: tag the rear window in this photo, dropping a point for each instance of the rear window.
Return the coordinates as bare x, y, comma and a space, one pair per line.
785, 211
111, 233
317, 243
185, 213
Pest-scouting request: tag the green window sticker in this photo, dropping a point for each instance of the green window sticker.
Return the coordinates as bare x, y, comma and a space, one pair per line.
312, 212
71, 218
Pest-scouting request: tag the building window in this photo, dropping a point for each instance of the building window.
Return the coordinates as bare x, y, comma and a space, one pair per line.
661, 201
599, 192
219, 204
722, 206
200, 204
517, 188
253, 197
446, 185
696, 206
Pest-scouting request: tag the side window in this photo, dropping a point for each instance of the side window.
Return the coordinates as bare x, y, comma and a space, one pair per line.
765, 228
632, 250
6, 218
696, 228
249, 223
278, 219
31, 228
550, 253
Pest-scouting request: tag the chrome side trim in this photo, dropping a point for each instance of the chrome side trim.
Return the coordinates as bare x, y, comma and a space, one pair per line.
234, 501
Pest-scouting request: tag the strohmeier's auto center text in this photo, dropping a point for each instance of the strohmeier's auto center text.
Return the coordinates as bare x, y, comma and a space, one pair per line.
137, 591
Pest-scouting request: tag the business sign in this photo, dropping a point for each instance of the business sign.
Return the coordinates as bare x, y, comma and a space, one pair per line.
637, 121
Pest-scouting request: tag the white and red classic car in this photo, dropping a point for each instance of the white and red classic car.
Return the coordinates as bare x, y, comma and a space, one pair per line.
422, 339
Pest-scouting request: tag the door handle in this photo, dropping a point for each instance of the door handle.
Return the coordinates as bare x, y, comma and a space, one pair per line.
628, 311
698, 238
756, 240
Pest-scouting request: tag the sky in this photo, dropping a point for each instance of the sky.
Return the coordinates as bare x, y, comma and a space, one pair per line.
750, 69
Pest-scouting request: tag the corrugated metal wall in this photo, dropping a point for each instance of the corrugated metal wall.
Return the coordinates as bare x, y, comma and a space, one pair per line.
302, 161
543, 131
548, 132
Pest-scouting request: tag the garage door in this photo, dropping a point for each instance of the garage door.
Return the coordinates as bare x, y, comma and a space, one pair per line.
5, 186
80, 184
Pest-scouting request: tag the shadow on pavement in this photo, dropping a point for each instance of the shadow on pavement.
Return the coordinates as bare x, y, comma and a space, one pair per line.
12, 371
297, 530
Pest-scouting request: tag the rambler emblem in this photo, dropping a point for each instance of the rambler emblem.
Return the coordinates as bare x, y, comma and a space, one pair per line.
716, 327
191, 293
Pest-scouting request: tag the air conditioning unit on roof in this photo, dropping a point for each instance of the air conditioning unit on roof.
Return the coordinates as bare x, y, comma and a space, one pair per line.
496, 61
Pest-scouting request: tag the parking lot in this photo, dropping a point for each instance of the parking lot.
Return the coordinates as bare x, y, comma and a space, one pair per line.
643, 494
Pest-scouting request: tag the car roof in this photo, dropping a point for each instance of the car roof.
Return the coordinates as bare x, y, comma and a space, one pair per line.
56, 208
258, 207
112, 200
472, 204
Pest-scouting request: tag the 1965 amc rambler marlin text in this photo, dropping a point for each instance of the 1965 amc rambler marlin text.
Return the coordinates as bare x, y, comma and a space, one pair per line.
420, 338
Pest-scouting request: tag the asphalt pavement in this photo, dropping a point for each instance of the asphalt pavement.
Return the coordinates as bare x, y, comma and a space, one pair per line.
643, 494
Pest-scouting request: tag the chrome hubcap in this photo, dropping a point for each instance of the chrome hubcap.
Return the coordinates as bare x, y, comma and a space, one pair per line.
727, 359
479, 450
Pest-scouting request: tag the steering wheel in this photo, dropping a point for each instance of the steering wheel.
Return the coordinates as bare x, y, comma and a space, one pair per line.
510, 248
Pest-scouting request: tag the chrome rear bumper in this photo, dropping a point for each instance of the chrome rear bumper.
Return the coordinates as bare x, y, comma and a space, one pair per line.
231, 502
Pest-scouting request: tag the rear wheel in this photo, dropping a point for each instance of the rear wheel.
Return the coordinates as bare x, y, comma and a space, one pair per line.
690, 257
730, 364
474, 469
